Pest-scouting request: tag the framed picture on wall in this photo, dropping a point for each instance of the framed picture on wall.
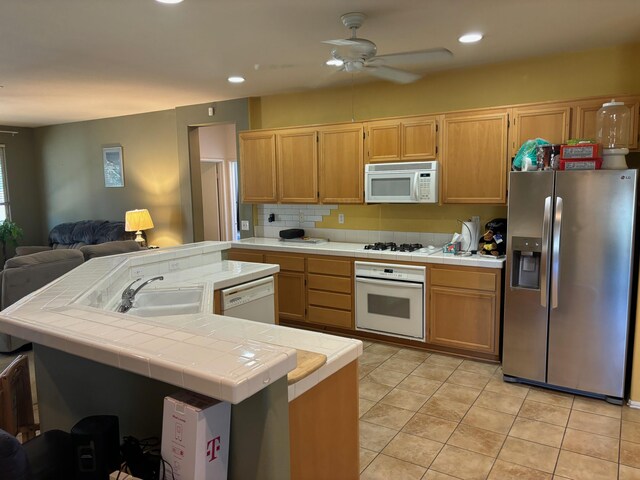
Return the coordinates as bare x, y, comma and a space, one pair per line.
113, 171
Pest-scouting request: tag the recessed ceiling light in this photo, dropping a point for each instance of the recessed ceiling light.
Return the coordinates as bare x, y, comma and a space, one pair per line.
169, 1
235, 79
470, 38
335, 62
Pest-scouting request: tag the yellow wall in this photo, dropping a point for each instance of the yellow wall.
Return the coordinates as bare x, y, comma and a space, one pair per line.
409, 218
558, 77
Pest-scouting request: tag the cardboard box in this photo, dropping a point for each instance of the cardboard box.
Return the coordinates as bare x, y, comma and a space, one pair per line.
195, 436
583, 164
581, 150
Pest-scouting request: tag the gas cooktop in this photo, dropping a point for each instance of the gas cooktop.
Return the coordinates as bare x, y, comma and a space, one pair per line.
392, 246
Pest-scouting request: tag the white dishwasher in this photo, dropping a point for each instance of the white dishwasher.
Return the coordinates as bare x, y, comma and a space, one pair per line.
251, 301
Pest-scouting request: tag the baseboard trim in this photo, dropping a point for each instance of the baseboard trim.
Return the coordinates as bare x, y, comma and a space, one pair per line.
633, 404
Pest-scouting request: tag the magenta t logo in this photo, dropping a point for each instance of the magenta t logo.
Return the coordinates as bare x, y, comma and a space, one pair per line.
213, 446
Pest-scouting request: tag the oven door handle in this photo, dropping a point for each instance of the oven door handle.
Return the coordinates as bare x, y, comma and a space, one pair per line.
390, 283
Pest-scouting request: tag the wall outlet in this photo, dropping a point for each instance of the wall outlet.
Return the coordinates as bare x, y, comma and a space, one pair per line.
244, 225
301, 217
341, 218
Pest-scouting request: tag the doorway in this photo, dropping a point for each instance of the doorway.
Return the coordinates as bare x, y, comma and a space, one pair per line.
214, 182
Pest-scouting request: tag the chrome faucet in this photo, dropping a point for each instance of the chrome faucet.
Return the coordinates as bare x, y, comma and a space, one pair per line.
129, 294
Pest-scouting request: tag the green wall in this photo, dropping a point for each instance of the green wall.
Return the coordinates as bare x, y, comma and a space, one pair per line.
73, 186
157, 169
25, 183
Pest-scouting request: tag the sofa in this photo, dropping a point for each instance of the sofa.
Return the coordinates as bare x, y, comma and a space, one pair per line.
75, 235
24, 274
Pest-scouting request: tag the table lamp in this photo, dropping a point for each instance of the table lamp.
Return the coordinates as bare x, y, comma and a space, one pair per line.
136, 221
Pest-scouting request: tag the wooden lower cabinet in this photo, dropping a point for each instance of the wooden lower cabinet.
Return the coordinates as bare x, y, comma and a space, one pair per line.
329, 292
323, 428
464, 308
291, 296
291, 285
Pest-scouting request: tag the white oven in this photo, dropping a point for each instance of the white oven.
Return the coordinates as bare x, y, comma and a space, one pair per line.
390, 299
402, 182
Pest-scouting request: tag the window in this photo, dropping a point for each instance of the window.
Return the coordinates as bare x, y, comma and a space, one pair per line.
5, 212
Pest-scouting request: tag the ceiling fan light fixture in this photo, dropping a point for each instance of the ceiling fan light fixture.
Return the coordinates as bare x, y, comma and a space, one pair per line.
335, 62
471, 37
235, 79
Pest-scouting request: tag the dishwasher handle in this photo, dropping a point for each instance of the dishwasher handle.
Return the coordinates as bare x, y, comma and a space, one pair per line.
243, 287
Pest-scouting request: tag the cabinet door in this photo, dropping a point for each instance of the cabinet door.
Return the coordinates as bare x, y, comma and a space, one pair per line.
341, 164
297, 166
463, 319
383, 141
291, 298
419, 138
550, 123
474, 157
258, 167
585, 118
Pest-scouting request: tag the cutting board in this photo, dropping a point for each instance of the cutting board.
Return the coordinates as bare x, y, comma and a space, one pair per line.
308, 362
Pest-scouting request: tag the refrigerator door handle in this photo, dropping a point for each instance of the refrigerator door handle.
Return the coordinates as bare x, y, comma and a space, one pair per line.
544, 256
555, 261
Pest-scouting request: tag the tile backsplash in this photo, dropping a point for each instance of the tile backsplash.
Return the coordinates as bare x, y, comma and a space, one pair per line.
292, 216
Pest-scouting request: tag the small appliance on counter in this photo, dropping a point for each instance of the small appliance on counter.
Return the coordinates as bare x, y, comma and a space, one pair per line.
612, 131
296, 235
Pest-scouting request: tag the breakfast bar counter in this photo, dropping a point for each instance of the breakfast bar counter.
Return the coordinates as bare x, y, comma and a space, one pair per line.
90, 359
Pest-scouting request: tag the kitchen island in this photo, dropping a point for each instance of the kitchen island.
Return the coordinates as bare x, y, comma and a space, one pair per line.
91, 359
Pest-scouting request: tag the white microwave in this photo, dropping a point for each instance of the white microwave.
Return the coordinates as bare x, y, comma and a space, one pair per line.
405, 182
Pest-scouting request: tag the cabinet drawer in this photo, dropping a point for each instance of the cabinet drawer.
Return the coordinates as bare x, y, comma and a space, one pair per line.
340, 268
241, 256
449, 277
286, 262
331, 284
328, 316
330, 299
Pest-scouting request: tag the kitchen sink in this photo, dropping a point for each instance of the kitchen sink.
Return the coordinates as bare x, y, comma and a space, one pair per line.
163, 301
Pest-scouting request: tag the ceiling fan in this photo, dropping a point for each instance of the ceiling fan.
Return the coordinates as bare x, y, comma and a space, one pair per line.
359, 55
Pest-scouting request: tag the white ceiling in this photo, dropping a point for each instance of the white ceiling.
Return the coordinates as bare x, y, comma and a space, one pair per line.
72, 60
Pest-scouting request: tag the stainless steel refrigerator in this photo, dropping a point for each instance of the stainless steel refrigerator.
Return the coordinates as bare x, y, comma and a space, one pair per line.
569, 277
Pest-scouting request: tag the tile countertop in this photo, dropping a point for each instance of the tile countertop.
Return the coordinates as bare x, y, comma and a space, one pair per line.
226, 358
357, 250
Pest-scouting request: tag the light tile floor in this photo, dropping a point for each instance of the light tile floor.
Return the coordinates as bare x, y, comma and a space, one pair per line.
437, 417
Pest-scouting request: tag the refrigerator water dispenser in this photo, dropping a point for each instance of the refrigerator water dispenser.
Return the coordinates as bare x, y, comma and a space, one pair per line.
526, 262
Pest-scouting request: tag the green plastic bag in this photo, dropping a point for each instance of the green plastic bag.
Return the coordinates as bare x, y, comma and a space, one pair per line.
526, 156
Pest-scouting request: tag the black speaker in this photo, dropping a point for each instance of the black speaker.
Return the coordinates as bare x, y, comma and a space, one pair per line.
96, 447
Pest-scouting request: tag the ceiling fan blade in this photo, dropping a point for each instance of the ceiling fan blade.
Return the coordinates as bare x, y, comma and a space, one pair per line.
341, 42
392, 74
419, 56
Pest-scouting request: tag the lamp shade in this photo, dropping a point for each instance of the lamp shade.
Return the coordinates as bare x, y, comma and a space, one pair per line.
136, 220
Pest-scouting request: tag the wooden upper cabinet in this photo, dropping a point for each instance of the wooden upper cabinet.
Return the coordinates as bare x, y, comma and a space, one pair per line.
419, 138
550, 123
258, 167
401, 140
297, 155
474, 157
383, 141
341, 164
584, 125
